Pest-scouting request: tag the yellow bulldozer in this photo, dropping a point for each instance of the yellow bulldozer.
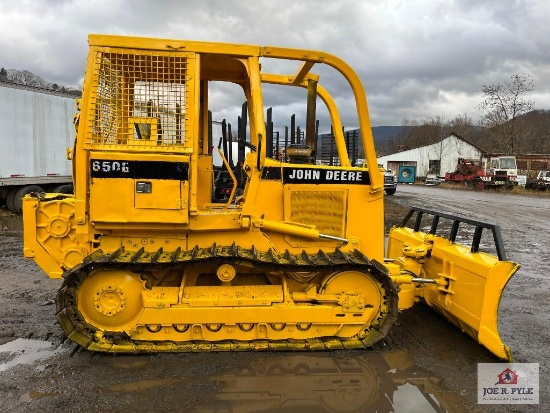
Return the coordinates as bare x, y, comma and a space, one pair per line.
291, 259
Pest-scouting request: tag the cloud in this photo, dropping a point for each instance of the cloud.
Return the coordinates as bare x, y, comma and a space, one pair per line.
416, 58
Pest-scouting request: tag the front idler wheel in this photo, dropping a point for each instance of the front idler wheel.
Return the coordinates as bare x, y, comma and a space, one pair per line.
110, 300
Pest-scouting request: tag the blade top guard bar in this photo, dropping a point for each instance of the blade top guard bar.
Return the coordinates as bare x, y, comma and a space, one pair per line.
456, 221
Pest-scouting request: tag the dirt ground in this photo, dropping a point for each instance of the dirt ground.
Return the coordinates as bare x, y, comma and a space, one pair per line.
425, 364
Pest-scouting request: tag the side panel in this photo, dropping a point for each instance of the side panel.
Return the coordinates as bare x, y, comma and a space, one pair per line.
50, 234
336, 201
205, 176
126, 188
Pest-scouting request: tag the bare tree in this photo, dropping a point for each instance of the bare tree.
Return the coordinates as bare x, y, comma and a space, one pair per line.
503, 103
421, 133
463, 126
435, 128
535, 129
24, 77
403, 141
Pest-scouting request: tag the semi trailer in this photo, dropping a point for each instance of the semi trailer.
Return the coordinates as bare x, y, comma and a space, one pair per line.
36, 127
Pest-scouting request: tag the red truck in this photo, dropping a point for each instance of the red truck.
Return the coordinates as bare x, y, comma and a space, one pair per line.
493, 172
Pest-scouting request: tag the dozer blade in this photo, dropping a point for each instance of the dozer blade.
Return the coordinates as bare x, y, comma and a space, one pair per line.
467, 284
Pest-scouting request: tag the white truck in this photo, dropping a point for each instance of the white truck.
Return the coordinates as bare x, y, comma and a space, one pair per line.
36, 128
542, 181
390, 180
500, 171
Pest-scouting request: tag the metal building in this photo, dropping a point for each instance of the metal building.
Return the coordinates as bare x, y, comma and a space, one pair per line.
437, 158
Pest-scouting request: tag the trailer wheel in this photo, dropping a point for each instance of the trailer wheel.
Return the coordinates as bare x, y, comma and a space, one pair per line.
21, 192
63, 189
10, 198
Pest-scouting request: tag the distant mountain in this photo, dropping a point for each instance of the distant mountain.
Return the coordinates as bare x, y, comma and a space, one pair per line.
532, 129
384, 134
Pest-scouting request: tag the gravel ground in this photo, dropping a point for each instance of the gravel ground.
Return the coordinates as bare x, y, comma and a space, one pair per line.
425, 364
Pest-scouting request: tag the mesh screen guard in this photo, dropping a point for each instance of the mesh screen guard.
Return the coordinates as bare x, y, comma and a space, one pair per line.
138, 99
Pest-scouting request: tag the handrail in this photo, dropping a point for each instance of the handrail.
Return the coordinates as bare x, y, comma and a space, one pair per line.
479, 226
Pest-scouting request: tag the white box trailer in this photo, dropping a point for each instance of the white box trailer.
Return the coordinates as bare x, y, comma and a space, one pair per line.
36, 128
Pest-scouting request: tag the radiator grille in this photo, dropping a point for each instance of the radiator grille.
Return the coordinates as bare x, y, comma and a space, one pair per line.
324, 209
138, 99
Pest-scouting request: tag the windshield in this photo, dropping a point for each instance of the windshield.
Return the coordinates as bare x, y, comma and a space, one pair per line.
508, 163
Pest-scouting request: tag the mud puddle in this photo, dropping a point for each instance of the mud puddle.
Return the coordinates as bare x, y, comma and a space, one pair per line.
318, 382
25, 351
357, 382
34, 395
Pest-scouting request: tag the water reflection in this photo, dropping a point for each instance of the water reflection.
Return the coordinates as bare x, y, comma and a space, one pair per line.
321, 382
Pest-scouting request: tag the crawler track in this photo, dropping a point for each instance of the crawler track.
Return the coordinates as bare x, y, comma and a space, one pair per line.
89, 337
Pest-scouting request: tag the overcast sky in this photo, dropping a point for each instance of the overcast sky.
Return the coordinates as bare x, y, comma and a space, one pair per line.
416, 58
